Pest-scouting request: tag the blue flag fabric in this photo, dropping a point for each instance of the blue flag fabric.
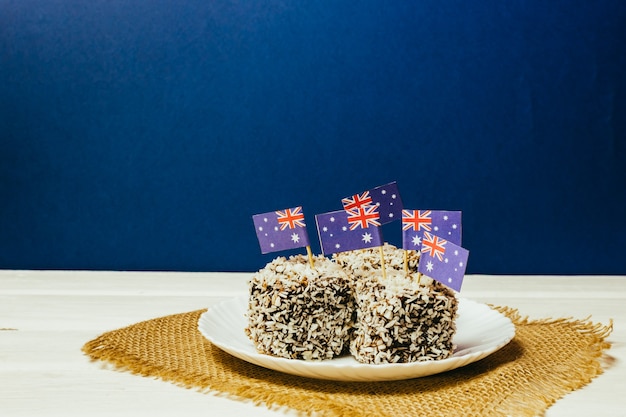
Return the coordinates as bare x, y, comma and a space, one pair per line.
443, 223
281, 230
443, 261
336, 235
386, 197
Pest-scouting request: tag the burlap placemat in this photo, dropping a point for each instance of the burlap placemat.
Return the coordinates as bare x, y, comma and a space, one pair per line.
546, 360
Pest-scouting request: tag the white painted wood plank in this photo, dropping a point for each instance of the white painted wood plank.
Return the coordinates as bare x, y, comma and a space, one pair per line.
51, 314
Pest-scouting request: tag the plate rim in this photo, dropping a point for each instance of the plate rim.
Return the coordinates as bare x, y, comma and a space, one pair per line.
344, 369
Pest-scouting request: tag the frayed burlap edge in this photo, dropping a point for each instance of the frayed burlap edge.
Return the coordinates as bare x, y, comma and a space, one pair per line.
534, 396
530, 398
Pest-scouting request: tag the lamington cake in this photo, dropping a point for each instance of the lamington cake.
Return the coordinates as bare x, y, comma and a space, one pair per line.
299, 312
400, 317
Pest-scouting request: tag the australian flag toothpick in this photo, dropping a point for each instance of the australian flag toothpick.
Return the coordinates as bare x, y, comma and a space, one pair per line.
341, 230
281, 230
443, 261
442, 223
386, 197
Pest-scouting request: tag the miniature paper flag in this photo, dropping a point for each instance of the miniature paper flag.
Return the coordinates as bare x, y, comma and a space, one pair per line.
443, 223
443, 261
336, 234
386, 197
281, 230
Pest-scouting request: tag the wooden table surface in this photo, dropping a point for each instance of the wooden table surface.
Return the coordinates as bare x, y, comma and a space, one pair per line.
47, 316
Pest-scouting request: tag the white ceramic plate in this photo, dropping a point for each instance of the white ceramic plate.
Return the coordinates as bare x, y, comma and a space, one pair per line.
480, 332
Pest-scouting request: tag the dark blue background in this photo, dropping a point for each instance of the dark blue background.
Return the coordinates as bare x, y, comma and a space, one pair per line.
144, 134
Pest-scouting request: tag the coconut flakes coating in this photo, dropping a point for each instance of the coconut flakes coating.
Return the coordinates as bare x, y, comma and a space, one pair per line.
298, 312
362, 263
302, 313
400, 320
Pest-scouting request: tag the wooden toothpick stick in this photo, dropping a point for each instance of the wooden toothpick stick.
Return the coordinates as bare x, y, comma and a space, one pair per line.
406, 262
382, 262
310, 254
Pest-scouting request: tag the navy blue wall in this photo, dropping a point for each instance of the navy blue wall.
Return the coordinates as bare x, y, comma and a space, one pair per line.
144, 134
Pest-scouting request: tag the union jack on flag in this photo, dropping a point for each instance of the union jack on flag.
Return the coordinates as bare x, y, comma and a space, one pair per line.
357, 201
281, 230
416, 220
290, 218
363, 217
434, 246
443, 261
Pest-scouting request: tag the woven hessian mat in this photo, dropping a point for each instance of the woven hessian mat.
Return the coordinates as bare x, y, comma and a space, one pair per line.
546, 360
